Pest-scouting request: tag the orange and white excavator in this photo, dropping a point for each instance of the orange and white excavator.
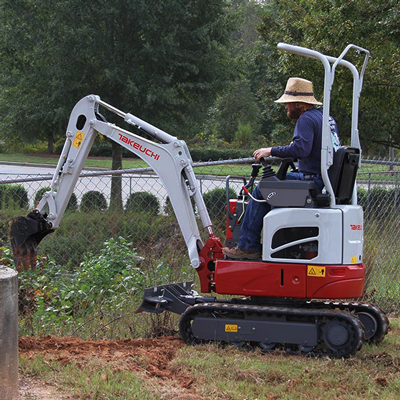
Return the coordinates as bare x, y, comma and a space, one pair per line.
312, 240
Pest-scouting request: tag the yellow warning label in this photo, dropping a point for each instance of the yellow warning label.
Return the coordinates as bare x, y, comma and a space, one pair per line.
78, 139
231, 328
313, 270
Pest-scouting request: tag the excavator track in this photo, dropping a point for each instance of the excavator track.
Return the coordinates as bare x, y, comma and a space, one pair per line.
317, 332
373, 318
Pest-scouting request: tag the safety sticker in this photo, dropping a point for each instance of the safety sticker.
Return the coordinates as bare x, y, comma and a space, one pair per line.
78, 139
313, 270
353, 260
231, 328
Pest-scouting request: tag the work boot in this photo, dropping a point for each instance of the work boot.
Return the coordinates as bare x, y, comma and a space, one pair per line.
240, 254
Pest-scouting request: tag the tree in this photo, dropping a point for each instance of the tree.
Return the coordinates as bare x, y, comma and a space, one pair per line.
328, 26
239, 102
160, 60
236, 105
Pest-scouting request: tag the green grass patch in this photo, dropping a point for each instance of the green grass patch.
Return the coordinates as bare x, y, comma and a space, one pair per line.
88, 381
105, 162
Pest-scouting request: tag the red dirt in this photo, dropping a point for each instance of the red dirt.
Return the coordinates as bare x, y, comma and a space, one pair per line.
150, 356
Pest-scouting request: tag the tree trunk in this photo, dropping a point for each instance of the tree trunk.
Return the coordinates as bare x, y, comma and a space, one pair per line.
116, 180
50, 143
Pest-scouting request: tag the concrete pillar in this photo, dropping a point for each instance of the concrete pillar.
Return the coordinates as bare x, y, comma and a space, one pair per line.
8, 333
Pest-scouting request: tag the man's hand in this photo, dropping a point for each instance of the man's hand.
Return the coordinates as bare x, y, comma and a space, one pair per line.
264, 152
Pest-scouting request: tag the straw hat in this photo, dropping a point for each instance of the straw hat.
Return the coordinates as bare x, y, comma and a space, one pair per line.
298, 90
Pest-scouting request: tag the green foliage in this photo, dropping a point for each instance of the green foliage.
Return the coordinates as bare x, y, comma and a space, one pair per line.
237, 105
93, 200
243, 135
13, 196
49, 295
328, 26
109, 281
216, 201
121, 49
143, 202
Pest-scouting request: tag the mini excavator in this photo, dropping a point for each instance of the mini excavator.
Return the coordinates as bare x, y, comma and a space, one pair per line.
312, 250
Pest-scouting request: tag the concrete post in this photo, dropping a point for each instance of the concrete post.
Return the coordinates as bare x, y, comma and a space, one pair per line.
8, 333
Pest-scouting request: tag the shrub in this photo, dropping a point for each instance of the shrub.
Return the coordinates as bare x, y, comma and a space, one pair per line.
143, 202
93, 201
215, 201
13, 196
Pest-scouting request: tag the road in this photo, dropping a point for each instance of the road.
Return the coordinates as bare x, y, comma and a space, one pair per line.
34, 178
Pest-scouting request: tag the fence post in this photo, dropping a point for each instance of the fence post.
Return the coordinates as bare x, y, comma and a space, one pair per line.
8, 333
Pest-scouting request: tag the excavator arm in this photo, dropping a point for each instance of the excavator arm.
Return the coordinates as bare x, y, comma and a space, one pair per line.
169, 157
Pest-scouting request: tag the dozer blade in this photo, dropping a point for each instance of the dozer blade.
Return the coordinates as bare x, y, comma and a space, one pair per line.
26, 233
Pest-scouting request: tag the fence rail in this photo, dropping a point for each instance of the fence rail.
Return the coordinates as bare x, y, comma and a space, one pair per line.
147, 221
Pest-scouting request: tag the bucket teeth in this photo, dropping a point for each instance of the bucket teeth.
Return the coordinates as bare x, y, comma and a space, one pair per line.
26, 233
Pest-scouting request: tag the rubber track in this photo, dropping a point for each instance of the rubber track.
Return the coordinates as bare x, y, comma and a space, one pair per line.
323, 316
374, 310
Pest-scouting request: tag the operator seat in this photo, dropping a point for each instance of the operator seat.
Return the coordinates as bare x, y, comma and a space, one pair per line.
343, 172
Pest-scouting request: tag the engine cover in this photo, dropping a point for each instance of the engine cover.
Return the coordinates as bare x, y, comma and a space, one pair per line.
323, 236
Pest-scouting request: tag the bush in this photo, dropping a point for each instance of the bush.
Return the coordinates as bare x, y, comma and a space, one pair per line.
143, 202
13, 196
93, 201
215, 201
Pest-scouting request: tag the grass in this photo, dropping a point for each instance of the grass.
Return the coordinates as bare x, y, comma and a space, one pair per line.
235, 374
127, 163
91, 382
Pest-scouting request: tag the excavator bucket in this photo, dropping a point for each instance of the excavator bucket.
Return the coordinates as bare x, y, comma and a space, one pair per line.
26, 233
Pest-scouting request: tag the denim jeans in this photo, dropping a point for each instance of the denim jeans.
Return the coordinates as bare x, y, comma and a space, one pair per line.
253, 218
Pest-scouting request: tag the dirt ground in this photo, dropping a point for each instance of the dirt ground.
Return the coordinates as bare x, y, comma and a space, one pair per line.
149, 356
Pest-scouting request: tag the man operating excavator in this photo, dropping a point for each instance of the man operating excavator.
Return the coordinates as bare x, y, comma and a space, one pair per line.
300, 105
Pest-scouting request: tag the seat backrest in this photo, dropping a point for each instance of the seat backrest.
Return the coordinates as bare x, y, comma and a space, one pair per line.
343, 172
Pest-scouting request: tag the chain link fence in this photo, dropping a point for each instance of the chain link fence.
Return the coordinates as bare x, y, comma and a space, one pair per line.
110, 246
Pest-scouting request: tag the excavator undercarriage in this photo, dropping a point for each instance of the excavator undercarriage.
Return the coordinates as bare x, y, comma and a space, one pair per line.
335, 329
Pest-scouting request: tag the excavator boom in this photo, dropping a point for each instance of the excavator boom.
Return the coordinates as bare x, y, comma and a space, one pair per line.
168, 156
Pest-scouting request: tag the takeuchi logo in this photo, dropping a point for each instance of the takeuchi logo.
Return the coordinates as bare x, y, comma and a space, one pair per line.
356, 227
138, 146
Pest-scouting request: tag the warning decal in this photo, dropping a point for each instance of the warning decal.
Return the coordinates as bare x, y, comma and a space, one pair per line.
78, 139
231, 328
313, 270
